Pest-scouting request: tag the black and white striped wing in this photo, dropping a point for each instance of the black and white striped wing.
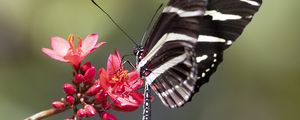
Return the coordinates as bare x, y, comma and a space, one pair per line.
169, 54
223, 23
187, 44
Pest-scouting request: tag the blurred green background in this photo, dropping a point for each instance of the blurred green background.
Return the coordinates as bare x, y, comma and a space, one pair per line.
258, 80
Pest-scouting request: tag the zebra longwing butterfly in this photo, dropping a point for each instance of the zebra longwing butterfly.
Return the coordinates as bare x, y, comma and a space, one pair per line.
187, 42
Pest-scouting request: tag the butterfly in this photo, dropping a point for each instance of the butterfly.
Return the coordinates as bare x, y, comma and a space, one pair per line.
186, 45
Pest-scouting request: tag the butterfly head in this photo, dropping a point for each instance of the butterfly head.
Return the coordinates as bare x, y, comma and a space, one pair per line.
138, 51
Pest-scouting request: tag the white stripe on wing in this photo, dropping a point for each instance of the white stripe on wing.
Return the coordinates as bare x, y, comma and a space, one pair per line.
182, 13
164, 67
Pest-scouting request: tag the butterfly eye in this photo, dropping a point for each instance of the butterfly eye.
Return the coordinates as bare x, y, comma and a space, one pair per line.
135, 51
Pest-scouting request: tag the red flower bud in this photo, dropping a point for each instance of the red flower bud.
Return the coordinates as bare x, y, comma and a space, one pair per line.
78, 78
58, 105
100, 97
69, 89
70, 100
93, 90
90, 110
107, 116
86, 66
81, 113
89, 75
106, 105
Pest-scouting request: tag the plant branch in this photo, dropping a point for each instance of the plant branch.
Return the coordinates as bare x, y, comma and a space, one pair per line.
46, 113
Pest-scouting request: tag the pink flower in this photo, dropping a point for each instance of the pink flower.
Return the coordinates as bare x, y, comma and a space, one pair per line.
120, 85
66, 51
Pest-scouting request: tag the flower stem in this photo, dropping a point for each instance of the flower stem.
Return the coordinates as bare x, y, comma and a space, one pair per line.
46, 113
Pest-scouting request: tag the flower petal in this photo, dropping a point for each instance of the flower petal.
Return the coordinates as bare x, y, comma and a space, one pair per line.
93, 49
127, 103
114, 63
139, 97
53, 55
133, 76
135, 85
60, 45
100, 44
134, 81
89, 43
103, 78
107, 116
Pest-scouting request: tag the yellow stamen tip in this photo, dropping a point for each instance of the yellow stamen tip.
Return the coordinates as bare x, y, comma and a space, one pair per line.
71, 40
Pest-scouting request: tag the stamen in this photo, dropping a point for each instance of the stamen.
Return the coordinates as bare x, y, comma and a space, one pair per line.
71, 41
79, 42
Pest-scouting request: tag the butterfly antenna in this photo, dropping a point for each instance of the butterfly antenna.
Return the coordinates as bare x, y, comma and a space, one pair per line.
115, 23
151, 21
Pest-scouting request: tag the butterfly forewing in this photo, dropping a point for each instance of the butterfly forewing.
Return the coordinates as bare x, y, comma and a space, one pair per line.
169, 52
170, 21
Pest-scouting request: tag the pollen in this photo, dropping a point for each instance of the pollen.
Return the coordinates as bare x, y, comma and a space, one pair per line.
119, 76
114, 79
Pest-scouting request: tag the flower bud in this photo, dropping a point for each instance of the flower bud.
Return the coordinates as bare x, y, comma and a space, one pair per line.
69, 89
70, 100
90, 110
78, 78
107, 116
100, 97
105, 105
58, 105
81, 113
93, 90
89, 75
86, 66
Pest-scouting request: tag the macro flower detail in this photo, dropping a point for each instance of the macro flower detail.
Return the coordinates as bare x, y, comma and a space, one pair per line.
121, 85
66, 51
88, 94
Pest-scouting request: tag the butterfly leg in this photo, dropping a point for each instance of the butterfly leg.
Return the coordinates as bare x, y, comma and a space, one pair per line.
127, 61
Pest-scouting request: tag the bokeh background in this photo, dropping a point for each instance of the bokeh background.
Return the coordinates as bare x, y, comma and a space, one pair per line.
258, 80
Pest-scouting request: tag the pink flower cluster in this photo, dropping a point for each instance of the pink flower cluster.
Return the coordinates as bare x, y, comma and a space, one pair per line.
115, 88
